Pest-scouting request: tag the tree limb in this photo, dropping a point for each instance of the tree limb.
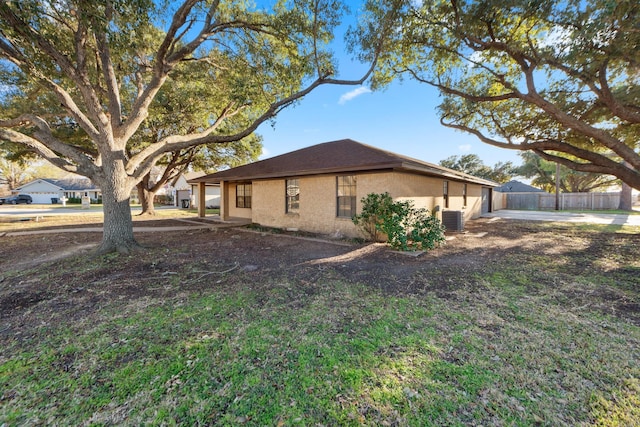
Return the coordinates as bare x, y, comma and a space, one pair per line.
113, 93
596, 162
83, 165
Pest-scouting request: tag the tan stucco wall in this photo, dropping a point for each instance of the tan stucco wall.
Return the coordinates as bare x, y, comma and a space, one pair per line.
317, 211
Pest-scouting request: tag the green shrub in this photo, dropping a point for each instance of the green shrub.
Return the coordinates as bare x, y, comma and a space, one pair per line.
404, 226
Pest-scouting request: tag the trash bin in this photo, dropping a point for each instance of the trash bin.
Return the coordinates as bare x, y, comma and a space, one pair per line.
54, 200
185, 203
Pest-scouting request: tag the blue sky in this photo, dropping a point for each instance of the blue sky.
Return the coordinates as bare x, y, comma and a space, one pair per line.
402, 119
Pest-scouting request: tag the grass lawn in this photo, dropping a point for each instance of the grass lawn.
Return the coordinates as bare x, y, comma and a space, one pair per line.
490, 334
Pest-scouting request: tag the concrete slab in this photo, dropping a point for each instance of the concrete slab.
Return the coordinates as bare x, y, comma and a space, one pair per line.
582, 217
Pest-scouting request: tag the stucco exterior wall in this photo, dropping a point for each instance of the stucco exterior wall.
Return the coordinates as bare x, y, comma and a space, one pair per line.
317, 212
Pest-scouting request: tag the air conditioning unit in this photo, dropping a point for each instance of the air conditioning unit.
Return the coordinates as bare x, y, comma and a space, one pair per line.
453, 220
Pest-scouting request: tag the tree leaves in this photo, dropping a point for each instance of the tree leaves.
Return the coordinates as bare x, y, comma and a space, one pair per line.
558, 78
471, 164
135, 80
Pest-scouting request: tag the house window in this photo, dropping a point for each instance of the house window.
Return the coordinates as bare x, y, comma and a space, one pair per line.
243, 195
445, 193
464, 194
292, 194
346, 196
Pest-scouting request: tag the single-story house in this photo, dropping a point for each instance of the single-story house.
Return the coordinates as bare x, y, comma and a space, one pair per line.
319, 188
48, 191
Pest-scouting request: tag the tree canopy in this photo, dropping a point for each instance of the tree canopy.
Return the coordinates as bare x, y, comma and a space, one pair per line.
104, 65
471, 164
543, 175
559, 78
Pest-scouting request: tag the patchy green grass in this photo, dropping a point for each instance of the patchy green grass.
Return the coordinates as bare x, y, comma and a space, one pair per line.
212, 211
517, 343
594, 228
604, 211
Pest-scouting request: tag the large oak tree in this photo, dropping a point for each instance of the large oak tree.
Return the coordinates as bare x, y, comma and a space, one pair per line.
559, 78
105, 65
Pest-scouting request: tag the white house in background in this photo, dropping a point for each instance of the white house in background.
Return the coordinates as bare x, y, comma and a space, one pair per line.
50, 191
185, 194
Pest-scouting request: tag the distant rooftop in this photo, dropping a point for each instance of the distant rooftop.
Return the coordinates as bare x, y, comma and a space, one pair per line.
73, 184
518, 187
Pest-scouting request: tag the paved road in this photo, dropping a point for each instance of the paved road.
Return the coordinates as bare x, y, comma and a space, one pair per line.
591, 217
49, 210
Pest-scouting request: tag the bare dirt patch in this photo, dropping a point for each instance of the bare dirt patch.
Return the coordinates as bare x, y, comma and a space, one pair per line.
52, 279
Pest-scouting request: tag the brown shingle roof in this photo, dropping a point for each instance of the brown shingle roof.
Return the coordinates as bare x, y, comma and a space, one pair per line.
340, 156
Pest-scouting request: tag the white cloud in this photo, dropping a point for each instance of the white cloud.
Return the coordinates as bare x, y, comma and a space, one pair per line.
265, 153
353, 94
465, 148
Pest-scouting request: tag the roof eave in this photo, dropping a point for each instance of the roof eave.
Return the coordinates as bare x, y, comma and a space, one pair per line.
448, 173
274, 175
400, 166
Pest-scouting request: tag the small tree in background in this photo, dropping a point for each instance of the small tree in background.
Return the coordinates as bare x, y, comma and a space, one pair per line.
471, 164
404, 226
543, 175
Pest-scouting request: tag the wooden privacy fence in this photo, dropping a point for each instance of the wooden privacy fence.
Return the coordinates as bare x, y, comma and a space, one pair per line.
545, 201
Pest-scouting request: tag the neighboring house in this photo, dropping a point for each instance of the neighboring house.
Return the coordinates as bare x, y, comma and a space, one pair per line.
49, 191
180, 190
319, 188
518, 195
185, 193
517, 187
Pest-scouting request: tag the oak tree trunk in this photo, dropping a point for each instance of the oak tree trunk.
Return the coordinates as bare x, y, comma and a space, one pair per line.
118, 225
146, 198
626, 198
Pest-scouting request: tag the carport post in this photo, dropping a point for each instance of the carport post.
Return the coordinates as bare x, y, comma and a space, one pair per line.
202, 194
557, 186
